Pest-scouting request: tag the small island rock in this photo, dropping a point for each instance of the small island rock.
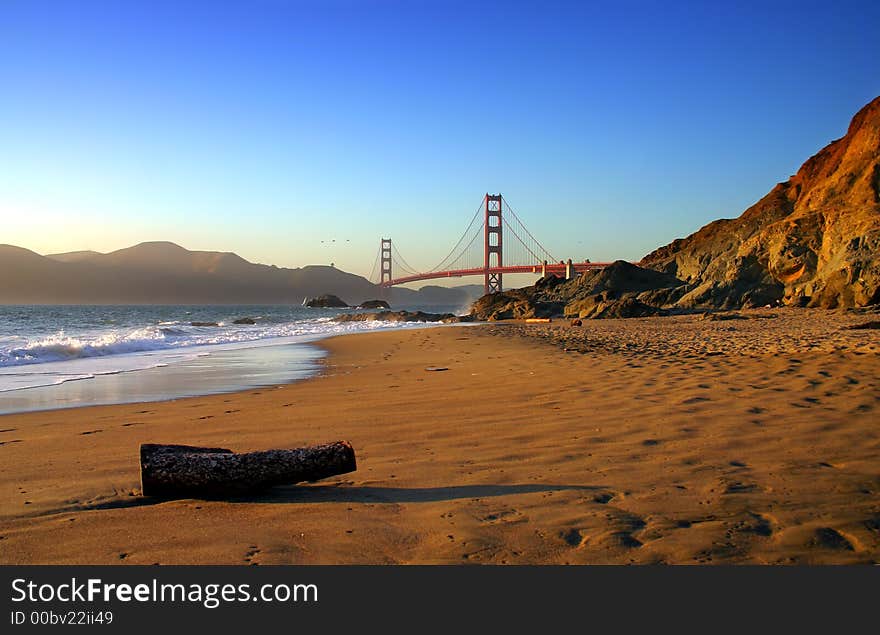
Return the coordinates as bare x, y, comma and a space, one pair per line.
374, 304
327, 301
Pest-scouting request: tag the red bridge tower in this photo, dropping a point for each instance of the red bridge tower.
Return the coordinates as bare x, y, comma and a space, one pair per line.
493, 242
385, 256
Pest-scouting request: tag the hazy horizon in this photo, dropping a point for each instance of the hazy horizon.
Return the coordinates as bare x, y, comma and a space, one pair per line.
295, 133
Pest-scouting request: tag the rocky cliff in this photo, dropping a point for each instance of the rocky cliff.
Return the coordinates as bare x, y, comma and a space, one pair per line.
814, 240
619, 290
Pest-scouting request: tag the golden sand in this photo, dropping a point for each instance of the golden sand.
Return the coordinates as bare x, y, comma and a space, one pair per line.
659, 440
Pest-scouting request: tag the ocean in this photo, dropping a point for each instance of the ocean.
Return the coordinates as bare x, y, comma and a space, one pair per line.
63, 356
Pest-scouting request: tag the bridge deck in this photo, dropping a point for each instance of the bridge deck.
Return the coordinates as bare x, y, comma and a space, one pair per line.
556, 269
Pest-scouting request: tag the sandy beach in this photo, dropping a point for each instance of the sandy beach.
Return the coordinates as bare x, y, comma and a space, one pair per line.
682, 440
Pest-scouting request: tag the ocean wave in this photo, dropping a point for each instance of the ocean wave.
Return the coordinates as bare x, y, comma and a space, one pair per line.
61, 346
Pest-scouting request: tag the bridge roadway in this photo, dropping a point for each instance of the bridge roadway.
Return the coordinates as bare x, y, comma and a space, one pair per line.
556, 269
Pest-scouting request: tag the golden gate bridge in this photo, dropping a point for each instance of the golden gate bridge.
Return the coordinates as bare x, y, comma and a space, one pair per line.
491, 247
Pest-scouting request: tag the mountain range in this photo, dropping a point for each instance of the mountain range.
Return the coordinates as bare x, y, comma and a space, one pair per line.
166, 273
813, 240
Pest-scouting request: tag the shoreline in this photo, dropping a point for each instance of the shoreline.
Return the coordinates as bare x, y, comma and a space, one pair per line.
519, 453
165, 383
234, 369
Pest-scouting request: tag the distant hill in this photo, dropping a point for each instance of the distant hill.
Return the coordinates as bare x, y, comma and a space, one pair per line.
814, 240
166, 273
74, 256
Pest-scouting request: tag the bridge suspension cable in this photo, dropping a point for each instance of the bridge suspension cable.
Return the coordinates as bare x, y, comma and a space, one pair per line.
442, 264
521, 251
375, 268
470, 256
401, 262
538, 252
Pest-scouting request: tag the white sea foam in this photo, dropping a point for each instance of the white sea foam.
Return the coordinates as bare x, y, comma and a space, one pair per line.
27, 362
61, 347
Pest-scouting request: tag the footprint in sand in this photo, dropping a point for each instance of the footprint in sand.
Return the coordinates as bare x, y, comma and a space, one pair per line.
622, 526
829, 538
754, 523
502, 516
738, 487
574, 537
618, 540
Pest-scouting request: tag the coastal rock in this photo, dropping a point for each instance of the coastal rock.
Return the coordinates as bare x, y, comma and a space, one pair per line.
401, 316
615, 291
374, 304
620, 278
601, 306
327, 301
515, 304
814, 240
245, 320
627, 308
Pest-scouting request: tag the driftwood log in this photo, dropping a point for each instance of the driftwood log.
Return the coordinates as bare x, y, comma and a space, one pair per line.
183, 471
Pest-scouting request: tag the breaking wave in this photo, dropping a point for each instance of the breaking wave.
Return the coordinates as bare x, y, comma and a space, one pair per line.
61, 346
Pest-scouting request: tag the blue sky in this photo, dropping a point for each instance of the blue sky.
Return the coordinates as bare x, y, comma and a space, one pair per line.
264, 127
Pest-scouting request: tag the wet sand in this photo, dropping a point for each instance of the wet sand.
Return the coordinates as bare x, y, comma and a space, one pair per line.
657, 440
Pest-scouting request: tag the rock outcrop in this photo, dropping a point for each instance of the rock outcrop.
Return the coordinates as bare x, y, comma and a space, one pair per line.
374, 304
327, 301
620, 290
814, 240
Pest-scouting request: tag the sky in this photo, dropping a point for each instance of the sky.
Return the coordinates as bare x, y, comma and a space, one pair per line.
272, 128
